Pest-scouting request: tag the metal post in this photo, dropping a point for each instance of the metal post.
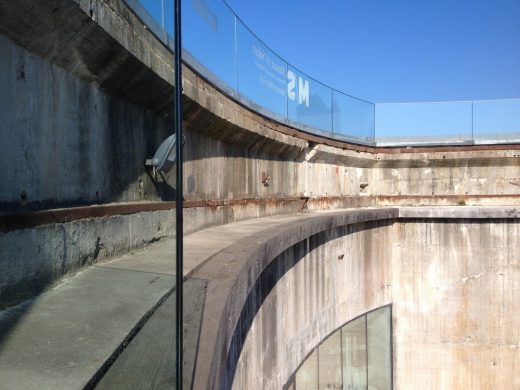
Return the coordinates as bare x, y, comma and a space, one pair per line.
178, 196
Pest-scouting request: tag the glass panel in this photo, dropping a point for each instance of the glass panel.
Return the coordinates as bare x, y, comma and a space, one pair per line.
309, 102
496, 119
154, 8
208, 31
262, 75
423, 122
167, 20
88, 279
354, 354
379, 349
307, 376
330, 363
151, 14
352, 118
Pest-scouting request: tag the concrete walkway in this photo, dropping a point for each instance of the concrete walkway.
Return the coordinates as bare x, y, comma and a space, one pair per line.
69, 336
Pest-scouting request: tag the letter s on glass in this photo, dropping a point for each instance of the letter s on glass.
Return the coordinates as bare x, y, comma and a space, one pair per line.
291, 77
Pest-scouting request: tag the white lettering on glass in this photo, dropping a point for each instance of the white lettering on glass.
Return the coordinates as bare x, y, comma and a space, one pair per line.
291, 85
303, 88
303, 91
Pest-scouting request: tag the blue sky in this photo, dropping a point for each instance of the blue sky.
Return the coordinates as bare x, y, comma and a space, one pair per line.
397, 50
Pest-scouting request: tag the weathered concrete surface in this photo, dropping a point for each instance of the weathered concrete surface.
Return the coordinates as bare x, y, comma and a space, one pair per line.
454, 298
60, 339
148, 362
88, 90
457, 315
278, 285
69, 143
451, 281
232, 274
34, 258
65, 336
89, 77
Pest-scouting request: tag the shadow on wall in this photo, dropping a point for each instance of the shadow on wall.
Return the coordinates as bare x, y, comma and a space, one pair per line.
16, 298
76, 140
276, 269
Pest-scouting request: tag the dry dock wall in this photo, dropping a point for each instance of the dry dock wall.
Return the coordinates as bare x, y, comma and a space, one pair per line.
450, 275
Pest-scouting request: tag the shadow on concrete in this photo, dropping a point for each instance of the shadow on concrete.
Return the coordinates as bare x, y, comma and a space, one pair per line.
276, 269
9, 318
17, 299
147, 360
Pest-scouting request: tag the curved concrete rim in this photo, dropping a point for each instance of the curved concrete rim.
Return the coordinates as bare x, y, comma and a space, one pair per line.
233, 272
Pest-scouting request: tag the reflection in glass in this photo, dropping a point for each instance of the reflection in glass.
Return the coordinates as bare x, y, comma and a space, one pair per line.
357, 356
330, 362
352, 117
492, 118
308, 101
262, 75
379, 339
208, 31
354, 354
307, 375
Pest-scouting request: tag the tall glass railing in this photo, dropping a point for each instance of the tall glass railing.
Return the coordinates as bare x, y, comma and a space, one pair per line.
484, 121
228, 54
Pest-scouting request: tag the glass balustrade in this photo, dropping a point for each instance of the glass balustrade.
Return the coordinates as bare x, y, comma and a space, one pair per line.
227, 53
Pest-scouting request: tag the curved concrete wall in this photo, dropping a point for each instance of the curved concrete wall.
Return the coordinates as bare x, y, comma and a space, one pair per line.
89, 98
451, 277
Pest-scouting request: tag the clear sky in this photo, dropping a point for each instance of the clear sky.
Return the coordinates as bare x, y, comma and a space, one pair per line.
396, 50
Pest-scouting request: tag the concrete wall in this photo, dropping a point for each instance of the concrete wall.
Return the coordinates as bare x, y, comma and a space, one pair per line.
65, 142
452, 284
32, 259
455, 173
86, 97
89, 98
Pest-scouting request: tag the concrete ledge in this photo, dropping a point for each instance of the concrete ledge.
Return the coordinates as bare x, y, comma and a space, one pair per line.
463, 212
39, 248
31, 219
233, 273
235, 257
